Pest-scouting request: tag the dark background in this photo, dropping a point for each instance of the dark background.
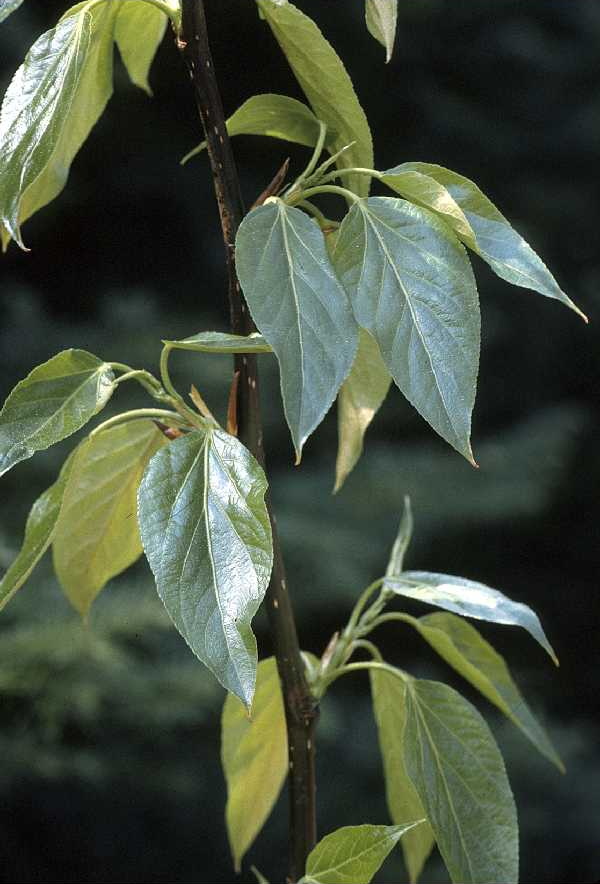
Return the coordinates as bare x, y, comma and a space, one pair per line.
109, 741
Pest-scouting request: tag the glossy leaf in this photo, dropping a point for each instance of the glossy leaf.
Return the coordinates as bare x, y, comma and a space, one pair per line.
360, 398
463, 648
221, 342
277, 116
381, 16
469, 599
97, 535
457, 770
55, 400
353, 854
301, 309
389, 707
139, 30
411, 286
207, 537
49, 108
255, 759
39, 531
477, 221
326, 84
7, 7
402, 542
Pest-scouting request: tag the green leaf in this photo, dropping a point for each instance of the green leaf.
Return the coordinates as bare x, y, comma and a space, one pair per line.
360, 398
389, 707
301, 309
353, 854
206, 533
139, 30
274, 115
479, 224
255, 759
411, 286
458, 772
39, 531
97, 535
221, 342
8, 7
463, 648
381, 18
55, 400
469, 599
52, 103
326, 84
402, 541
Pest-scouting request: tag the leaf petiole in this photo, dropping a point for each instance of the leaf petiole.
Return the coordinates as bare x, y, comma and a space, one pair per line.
140, 414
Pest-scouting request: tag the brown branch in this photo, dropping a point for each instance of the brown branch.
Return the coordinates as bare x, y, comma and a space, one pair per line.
300, 707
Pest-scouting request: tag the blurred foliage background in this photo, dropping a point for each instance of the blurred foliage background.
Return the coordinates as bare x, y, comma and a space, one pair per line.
109, 735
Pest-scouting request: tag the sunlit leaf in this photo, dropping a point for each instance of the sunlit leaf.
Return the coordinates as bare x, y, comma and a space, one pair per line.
221, 342
381, 16
479, 224
326, 84
7, 7
55, 400
255, 758
301, 309
97, 535
411, 285
207, 537
139, 29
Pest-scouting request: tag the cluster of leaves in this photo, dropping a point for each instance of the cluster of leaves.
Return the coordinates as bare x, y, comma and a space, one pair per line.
346, 307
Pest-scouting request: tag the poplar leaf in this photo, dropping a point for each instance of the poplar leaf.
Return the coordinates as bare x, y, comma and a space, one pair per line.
52, 103
206, 533
381, 16
411, 285
478, 223
97, 535
255, 758
139, 30
55, 400
326, 84
300, 308
222, 342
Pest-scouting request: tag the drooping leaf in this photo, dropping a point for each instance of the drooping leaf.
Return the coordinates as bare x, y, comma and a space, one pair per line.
458, 772
381, 16
360, 398
206, 533
139, 29
402, 541
255, 759
463, 648
277, 116
97, 535
411, 285
469, 599
55, 400
222, 342
326, 84
301, 309
389, 707
39, 531
479, 224
353, 854
52, 103
7, 7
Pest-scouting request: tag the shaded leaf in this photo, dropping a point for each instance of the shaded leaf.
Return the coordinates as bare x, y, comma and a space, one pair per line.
353, 854
479, 224
389, 707
222, 342
206, 533
381, 16
301, 309
49, 108
55, 400
411, 285
360, 398
458, 772
7, 7
469, 599
326, 84
139, 29
463, 648
402, 541
39, 531
97, 535
255, 758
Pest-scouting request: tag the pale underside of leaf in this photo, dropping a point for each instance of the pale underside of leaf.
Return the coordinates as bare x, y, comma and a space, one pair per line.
381, 16
7, 7
222, 342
